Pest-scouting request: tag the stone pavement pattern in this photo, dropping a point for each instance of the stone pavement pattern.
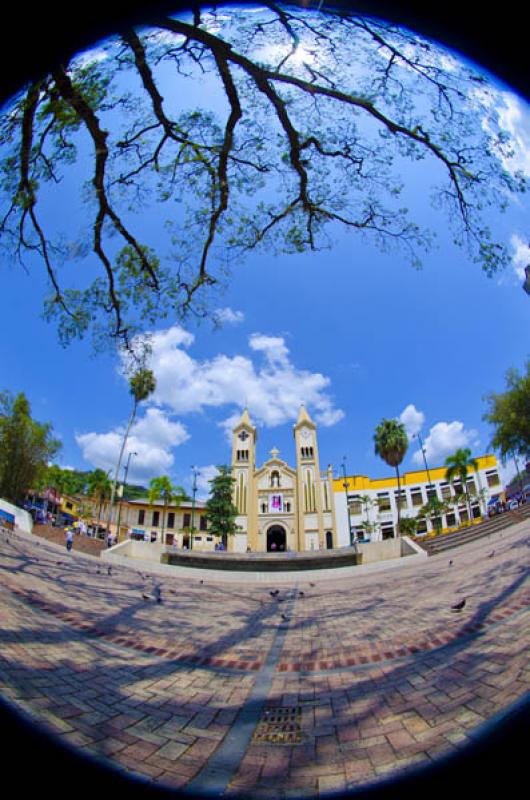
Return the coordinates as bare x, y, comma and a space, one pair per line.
376, 669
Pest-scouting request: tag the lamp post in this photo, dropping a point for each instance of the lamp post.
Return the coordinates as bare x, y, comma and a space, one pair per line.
430, 484
194, 490
346, 485
123, 489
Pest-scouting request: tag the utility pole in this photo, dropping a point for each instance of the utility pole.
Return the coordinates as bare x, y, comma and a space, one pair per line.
122, 492
346, 485
194, 490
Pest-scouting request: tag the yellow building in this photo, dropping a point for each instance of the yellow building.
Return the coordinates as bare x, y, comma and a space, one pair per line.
281, 507
371, 508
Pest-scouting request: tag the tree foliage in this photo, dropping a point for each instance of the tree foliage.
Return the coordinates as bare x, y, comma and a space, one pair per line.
161, 488
509, 414
309, 122
222, 512
26, 446
391, 444
458, 466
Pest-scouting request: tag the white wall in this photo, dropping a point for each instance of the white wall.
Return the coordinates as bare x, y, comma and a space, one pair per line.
23, 519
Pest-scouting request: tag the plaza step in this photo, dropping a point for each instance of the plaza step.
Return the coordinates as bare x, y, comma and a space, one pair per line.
447, 541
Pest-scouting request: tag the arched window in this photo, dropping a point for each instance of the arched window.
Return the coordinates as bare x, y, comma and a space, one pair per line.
275, 479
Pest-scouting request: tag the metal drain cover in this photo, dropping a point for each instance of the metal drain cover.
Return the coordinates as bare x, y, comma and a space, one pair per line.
279, 726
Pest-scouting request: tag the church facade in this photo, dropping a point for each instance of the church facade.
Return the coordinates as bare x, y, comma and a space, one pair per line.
282, 508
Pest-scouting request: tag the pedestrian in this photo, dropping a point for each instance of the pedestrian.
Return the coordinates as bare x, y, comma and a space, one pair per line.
109, 539
69, 539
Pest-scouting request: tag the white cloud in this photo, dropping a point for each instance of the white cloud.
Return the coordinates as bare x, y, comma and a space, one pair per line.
152, 438
521, 255
515, 118
227, 316
412, 419
443, 439
272, 390
205, 475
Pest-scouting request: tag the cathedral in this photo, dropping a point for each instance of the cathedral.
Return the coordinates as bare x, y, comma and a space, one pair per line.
282, 508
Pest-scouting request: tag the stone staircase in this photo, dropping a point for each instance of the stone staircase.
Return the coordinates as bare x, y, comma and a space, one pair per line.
447, 541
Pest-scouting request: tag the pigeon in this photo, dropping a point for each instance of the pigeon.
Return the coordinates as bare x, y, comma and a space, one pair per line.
285, 617
201, 581
274, 593
58, 563
491, 554
109, 571
451, 562
301, 594
98, 572
311, 584
459, 606
146, 596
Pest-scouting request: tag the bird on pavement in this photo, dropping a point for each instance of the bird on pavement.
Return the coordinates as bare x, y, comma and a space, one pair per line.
450, 562
490, 555
285, 617
146, 596
274, 593
301, 594
459, 606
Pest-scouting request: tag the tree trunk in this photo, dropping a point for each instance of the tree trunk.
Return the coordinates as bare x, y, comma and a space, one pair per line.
398, 502
118, 465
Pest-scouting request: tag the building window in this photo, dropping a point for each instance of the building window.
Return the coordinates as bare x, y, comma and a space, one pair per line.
275, 479
458, 488
403, 500
197, 538
451, 520
187, 521
416, 497
287, 507
475, 511
264, 508
431, 493
387, 531
242, 455
354, 503
156, 517
446, 491
383, 501
464, 516
492, 478
141, 517
203, 524
171, 519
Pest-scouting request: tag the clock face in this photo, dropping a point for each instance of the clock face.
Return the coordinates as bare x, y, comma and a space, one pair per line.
305, 433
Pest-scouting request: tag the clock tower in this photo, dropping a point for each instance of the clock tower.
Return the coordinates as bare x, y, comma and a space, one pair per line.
310, 517
244, 438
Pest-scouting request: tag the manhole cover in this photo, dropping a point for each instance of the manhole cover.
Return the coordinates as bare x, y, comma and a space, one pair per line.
279, 726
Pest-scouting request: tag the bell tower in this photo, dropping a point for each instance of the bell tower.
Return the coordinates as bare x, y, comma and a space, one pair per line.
310, 519
244, 438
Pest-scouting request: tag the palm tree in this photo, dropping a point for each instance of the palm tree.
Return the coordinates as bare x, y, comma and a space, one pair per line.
162, 489
458, 466
141, 385
391, 444
99, 488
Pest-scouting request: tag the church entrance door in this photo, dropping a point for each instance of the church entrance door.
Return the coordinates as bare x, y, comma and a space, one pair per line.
276, 539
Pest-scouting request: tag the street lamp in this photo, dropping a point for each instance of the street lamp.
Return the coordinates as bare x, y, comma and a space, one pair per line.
346, 485
194, 490
123, 489
430, 485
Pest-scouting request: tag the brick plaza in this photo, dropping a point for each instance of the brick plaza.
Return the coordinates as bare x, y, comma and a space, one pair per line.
374, 671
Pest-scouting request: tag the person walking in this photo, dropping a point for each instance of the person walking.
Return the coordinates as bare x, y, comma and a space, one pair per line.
69, 539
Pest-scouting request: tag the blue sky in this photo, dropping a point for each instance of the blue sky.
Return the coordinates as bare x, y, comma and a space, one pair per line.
356, 334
